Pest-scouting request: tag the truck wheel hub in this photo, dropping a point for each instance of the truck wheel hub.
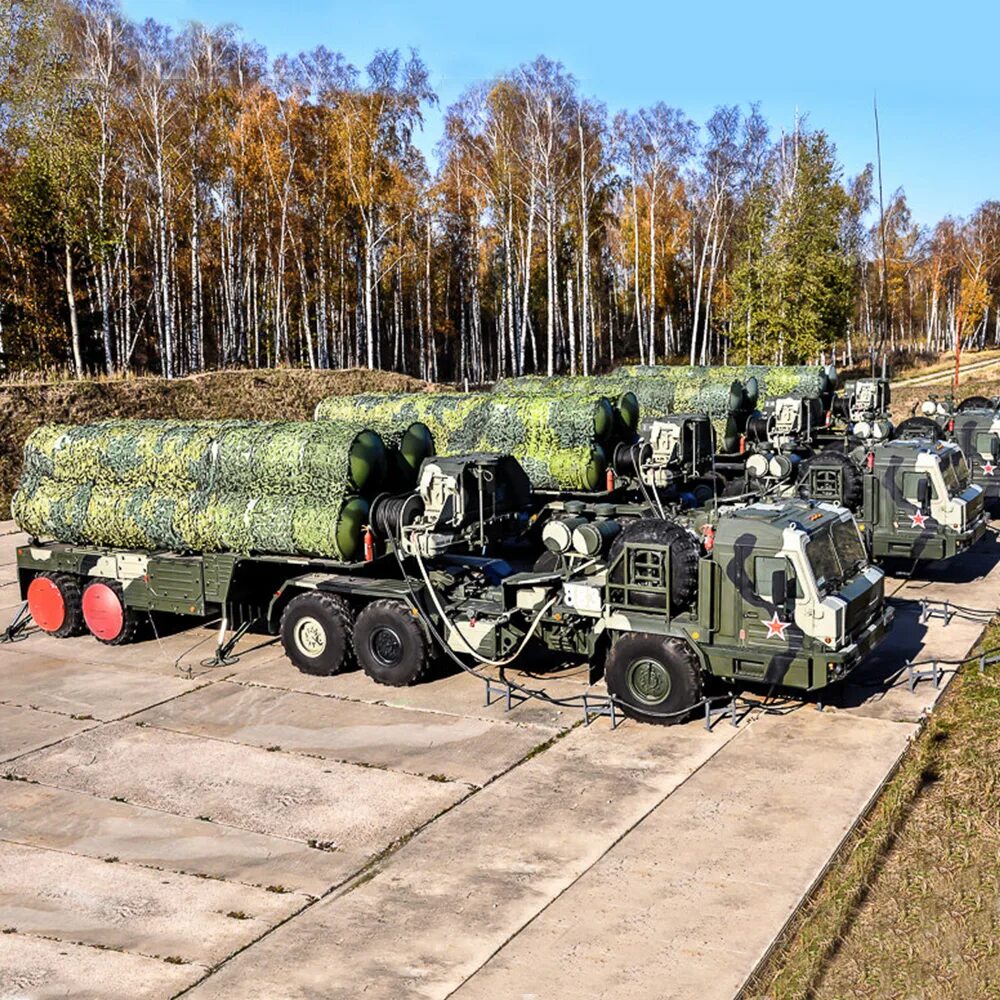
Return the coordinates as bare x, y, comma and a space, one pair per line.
386, 646
649, 681
103, 612
45, 602
310, 636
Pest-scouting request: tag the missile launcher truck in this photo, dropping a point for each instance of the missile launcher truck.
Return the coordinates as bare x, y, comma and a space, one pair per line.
778, 593
914, 499
974, 425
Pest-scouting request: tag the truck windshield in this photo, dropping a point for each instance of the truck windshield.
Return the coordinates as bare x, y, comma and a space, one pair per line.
849, 548
961, 469
949, 473
822, 558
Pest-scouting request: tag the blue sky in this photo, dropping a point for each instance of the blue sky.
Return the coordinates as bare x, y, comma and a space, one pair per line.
932, 66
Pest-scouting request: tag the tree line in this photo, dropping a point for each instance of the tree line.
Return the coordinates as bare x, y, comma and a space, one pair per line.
176, 201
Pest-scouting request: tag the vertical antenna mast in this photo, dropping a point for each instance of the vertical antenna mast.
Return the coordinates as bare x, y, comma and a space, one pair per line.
884, 302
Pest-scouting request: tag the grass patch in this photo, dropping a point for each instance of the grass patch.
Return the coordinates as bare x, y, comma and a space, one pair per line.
911, 907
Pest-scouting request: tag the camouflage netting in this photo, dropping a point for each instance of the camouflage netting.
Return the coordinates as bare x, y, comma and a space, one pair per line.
283, 487
561, 440
772, 380
626, 404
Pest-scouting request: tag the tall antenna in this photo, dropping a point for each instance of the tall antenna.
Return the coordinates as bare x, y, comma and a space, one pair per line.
884, 304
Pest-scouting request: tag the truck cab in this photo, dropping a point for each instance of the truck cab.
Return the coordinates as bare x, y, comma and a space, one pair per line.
974, 425
919, 501
778, 594
790, 597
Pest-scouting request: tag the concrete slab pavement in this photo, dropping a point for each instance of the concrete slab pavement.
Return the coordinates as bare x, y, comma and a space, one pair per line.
447, 900
555, 860
356, 809
112, 904
972, 581
81, 824
425, 743
35, 969
452, 693
25, 729
102, 692
691, 899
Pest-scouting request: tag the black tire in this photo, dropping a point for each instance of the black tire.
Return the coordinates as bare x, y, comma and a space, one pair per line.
685, 552
131, 620
548, 562
736, 488
709, 486
974, 403
317, 632
851, 490
918, 428
70, 592
653, 678
391, 644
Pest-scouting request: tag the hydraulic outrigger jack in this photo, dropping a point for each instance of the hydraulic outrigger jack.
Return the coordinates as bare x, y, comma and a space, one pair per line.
14, 632
224, 648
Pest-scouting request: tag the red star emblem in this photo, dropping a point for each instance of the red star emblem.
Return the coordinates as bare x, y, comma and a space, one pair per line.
776, 627
918, 520
988, 468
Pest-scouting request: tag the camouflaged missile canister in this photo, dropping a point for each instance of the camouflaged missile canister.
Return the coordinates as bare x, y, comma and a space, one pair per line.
626, 404
290, 488
561, 440
772, 380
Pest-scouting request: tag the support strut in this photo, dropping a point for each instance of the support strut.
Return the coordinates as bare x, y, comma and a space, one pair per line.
15, 631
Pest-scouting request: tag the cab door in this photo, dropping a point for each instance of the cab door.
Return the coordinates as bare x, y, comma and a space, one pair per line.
768, 635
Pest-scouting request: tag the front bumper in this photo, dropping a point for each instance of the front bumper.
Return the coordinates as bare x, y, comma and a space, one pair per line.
841, 662
944, 543
965, 540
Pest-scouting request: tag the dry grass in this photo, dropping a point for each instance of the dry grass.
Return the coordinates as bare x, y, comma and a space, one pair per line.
268, 394
911, 908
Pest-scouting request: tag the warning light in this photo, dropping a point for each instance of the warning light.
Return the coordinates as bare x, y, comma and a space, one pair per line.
611, 480
871, 460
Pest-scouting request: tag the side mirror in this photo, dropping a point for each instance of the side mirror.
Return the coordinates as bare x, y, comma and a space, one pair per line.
923, 491
782, 586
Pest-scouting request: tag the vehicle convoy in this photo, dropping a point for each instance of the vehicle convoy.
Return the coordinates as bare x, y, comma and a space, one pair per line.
914, 499
472, 564
974, 425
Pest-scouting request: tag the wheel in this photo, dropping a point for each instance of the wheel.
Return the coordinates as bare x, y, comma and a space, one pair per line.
974, 403
653, 677
918, 428
736, 488
54, 603
832, 476
711, 485
316, 631
684, 555
106, 615
548, 562
391, 644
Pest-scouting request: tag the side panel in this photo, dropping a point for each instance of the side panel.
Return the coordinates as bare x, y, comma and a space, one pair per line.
172, 584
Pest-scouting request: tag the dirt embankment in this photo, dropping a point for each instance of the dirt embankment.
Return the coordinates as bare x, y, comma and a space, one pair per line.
282, 394
906, 399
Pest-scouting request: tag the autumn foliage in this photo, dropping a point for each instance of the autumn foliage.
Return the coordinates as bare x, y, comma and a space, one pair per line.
176, 202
